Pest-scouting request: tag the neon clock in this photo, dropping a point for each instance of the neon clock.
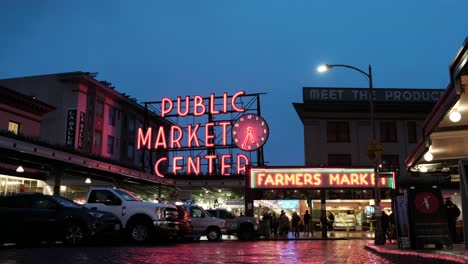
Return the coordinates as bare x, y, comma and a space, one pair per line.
250, 132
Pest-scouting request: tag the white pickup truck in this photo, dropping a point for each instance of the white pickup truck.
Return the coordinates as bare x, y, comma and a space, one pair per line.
142, 221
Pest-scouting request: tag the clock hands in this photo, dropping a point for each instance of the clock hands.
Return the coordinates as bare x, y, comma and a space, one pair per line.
248, 137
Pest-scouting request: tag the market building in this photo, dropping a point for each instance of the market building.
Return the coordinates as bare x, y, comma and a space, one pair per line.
86, 137
338, 159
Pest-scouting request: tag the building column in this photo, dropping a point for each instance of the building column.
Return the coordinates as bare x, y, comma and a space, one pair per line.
58, 174
323, 210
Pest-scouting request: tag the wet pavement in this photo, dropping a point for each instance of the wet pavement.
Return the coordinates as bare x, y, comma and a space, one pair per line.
339, 247
228, 251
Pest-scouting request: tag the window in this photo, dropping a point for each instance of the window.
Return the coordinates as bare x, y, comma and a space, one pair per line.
105, 197
99, 108
196, 212
131, 126
130, 150
14, 127
388, 131
98, 139
412, 132
337, 131
339, 160
110, 144
111, 120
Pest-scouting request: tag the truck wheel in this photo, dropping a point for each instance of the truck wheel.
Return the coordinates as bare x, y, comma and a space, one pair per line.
213, 234
245, 233
140, 232
73, 234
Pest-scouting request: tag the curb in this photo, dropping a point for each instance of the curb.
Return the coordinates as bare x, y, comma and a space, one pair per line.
400, 256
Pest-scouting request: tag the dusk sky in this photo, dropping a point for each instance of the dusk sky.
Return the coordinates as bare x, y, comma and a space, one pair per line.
154, 49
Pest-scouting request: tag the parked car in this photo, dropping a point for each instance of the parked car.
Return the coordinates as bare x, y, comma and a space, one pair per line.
185, 231
142, 221
205, 225
244, 227
35, 217
106, 224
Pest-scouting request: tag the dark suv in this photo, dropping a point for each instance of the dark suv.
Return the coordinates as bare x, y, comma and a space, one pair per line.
34, 217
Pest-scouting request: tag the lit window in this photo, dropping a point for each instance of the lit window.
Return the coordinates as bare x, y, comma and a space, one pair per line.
14, 127
110, 144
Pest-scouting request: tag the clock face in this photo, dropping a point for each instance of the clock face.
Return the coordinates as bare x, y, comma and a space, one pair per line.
250, 132
426, 203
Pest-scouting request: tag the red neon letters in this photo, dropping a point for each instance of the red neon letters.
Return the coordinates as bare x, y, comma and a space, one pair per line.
194, 135
198, 108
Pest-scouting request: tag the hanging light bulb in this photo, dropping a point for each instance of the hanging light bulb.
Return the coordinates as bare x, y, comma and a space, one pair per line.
88, 180
455, 116
20, 169
428, 156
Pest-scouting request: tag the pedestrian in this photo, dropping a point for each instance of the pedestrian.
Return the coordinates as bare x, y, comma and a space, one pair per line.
274, 224
266, 219
453, 212
324, 222
384, 224
283, 224
306, 220
392, 230
295, 224
331, 220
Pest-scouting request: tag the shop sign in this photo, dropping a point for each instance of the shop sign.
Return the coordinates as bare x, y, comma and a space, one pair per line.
71, 128
198, 136
380, 95
81, 124
315, 178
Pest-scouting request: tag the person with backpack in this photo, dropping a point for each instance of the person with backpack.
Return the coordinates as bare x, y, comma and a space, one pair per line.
453, 212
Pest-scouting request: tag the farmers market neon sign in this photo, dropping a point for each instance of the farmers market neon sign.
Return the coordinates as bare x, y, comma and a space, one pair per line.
316, 178
195, 136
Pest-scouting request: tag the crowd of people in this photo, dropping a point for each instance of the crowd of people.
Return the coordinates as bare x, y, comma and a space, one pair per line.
281, 225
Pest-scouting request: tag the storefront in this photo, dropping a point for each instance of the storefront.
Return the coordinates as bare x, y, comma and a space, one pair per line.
347, 193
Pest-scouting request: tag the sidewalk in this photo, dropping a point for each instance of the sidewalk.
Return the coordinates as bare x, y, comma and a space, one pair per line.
459, 254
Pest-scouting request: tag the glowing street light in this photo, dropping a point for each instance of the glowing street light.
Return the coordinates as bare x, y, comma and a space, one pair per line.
379, 236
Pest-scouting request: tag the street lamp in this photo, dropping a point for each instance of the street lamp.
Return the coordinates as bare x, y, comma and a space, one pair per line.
379, 236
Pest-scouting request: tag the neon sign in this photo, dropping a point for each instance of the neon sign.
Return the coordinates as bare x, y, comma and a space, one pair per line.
197, 135
315, 178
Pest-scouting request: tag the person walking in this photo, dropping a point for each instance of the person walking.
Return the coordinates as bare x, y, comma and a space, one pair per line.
306, 219
324, 222
331, 220
385, 223
453, 212
284, 224
295, 224
274, 224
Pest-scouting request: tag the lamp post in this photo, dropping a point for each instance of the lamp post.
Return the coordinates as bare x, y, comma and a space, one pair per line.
378, 235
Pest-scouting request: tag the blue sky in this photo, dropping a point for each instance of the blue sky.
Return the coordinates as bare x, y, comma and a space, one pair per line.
154, 49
